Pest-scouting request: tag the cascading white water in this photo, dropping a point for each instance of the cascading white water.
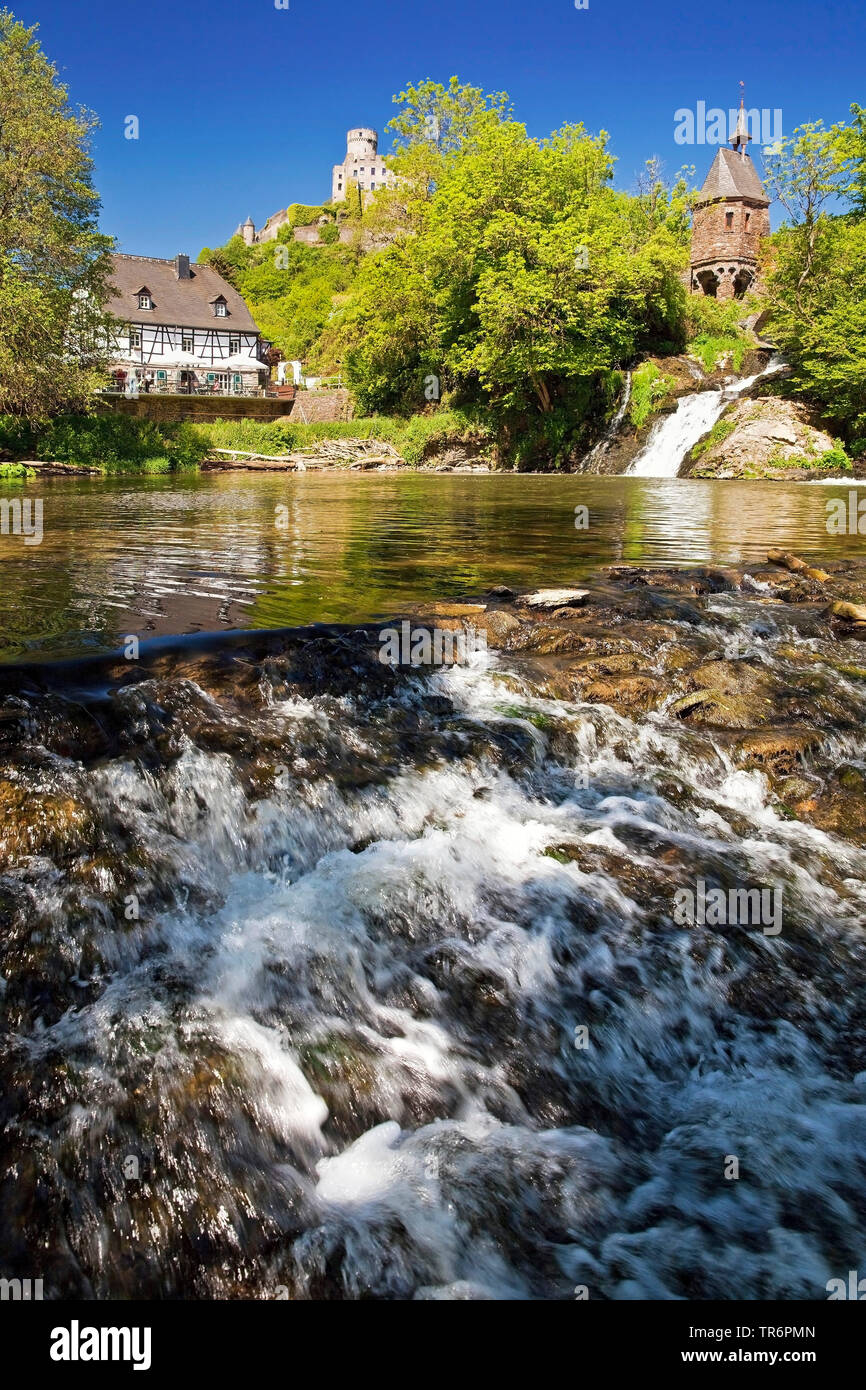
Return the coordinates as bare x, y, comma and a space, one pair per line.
601, 448
337, 1051
677, 434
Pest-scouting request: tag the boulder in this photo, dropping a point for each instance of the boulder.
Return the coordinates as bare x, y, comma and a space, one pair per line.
555, 598
767, 437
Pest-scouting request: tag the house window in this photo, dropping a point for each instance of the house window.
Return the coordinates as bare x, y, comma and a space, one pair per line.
187, 341
220, 309
748, 215
234, 346
134, 338
145, 301
729, 221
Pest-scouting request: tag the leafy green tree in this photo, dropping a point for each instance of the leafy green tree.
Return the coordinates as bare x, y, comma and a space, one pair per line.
54, 263
294, 291
516, 278
817, 269
805, 171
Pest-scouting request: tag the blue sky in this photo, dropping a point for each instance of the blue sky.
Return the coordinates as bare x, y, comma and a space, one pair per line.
243, 108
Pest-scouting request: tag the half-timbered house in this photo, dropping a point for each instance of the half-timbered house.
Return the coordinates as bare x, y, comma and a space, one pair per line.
184, 328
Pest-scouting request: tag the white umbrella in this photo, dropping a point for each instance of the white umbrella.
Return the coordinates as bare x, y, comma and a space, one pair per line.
242, 363
182, 360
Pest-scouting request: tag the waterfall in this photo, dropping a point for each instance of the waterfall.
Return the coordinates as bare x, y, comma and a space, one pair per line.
673, 437
600, 449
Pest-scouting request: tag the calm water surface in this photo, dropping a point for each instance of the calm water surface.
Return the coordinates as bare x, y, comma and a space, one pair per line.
157, 556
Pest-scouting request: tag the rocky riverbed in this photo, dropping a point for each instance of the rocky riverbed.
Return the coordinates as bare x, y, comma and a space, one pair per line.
299, 948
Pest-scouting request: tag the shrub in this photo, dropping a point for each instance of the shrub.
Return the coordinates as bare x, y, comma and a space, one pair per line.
720, 431
16, 436
119, 443
709, 349
302, 214
649, 387
414, 438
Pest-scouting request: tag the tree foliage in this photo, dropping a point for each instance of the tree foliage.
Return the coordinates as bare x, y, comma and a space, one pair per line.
817, 265
53, 261
293, 290
514, 274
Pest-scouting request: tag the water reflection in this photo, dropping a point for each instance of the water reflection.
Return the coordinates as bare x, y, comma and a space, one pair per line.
160, 556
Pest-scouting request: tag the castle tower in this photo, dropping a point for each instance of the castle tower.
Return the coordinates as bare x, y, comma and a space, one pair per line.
248, 232
362, 168
361, 143
730, 219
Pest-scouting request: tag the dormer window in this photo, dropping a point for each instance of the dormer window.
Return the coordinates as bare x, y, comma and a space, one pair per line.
144, 299
220, 308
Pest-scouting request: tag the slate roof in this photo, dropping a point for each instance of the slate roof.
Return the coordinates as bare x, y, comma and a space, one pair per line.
733, 176
177, 303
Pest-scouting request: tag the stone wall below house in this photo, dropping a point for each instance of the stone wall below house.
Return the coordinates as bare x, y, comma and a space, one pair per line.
318, 406
201, 409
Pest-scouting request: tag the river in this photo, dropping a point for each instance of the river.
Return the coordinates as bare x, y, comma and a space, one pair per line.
159, 556
327, 979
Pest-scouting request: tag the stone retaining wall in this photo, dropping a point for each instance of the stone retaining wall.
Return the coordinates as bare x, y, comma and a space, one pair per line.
317, 406
202, 409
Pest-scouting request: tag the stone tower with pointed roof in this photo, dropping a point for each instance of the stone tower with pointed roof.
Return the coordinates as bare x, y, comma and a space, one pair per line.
731, 217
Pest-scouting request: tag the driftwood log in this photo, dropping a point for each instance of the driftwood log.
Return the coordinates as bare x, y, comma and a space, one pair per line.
327, 453
796, 565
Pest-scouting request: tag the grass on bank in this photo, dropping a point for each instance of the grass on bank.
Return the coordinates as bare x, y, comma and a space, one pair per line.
719, 350
714, 331
121, 444
717, 435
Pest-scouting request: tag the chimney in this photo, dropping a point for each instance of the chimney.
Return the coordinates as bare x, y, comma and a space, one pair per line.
181, 267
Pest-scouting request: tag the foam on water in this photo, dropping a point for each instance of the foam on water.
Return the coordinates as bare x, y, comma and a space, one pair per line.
361, 1008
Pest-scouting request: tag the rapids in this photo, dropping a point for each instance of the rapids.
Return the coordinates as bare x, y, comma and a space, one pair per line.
291, 1006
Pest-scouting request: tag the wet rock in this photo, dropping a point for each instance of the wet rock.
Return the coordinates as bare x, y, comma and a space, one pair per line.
555, 598
779, 749
686, 703
735, 695
36, 821
629, 692
796, 565
768, 437
848, 612
498, 625
840, 809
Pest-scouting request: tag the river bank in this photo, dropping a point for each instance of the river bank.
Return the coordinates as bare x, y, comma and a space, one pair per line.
667, 417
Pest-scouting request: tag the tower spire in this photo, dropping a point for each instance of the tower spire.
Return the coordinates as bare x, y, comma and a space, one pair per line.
741, 137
